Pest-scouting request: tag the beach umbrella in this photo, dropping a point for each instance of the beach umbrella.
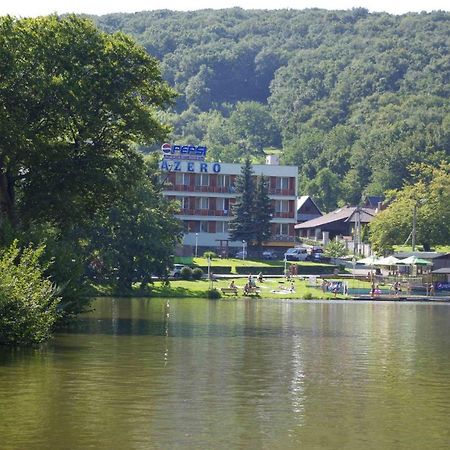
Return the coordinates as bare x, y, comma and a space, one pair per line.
389, 261
415, 261
369, 261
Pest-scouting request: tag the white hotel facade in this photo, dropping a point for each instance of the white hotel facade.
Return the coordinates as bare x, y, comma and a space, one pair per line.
206, 193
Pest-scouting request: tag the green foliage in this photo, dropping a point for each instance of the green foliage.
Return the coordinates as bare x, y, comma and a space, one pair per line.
252, 211
251, 125
209, 254
197, 273
242, 223
307, 296
335, 249
325, 189
429, 196
28, 300
135, 238
358, 95
262, 212
73, 99
216, 269
186, 273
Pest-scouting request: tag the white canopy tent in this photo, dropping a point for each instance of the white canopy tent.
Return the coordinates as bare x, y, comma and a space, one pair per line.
415, 261
389, 261
369, 260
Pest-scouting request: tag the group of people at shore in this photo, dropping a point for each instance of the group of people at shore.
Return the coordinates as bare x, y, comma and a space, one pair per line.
336, 287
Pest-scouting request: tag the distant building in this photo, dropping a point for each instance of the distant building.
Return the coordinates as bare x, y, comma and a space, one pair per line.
340, 222
206, 193
307, 209
374, 202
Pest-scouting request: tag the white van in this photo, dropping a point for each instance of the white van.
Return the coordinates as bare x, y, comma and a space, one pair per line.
296, 254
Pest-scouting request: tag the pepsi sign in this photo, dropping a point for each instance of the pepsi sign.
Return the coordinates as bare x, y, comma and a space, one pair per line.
175, 151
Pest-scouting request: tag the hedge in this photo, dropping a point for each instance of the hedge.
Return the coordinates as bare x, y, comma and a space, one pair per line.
216, 269
265, 270
279, 270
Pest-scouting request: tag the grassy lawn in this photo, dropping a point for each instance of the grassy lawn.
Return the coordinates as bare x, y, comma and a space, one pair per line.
270, 288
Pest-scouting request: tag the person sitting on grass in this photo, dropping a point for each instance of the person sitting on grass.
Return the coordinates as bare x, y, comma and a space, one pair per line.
232, 285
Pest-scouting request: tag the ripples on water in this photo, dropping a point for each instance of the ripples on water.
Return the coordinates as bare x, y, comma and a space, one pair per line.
254, 374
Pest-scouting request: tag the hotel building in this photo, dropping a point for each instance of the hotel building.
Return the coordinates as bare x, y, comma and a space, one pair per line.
206, 193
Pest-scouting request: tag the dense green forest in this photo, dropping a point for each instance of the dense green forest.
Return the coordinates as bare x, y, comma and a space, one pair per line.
350, 97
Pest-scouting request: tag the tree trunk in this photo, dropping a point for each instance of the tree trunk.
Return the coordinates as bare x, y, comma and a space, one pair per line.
7, 198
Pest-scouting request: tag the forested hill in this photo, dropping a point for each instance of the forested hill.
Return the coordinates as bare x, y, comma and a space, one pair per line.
350, 97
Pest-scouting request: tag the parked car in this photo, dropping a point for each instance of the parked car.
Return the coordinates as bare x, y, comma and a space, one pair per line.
176, 270
269, 254
242, 254
296, 254
318, 257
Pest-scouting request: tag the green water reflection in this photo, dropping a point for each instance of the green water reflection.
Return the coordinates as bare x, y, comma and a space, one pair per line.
228, 374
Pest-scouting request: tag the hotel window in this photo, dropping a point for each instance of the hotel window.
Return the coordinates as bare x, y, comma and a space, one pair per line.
282, 183
222, 227
202, 203
184, 202
282, 206
224, 181
203, 226
182, 179
186, 226
223, 204
283, 229
202, 179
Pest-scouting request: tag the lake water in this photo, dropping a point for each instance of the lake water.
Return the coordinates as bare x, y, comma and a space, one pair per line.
234, 374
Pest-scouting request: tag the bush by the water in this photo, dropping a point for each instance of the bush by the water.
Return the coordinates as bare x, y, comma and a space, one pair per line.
197, 273
214, 293
28, 300
186, 273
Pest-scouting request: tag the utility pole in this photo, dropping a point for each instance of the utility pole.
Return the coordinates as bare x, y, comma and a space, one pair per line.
413, 233
357, 237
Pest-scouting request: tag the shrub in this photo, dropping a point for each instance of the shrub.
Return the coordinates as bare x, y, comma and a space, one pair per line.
28, 300
186, 273
216, 269
197, 273
214, 293
308, 296
209, 254
265, 270
336, 249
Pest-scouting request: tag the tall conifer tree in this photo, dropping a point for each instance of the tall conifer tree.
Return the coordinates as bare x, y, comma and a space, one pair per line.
263, 211
242, 225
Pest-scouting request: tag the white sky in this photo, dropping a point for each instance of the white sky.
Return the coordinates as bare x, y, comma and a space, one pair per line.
25, 8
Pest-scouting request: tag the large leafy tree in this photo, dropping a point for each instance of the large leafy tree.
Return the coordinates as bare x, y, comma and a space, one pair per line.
135, 238
427, 198
325, 189
252, 126
72, 100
